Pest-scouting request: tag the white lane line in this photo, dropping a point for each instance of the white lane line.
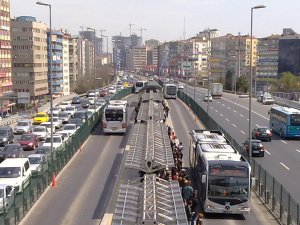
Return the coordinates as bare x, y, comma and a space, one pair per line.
248, 119
297, 150
216, 110
227, 119
218, 102
267, 151
241, 115
221, 114
228, 107
211, 107
234, 111
284, 142
257, 125
246, 108
242, 132
234, 125
284, 166
223, 104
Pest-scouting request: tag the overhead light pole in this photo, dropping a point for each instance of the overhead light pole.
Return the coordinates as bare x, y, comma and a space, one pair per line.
250, 92
50, 73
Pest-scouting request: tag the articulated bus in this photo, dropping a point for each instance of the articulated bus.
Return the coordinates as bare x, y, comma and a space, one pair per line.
140, 84
220, 173
285, 121
170, 90
114, 118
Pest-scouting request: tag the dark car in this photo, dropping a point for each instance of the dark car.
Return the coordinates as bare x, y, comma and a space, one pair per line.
64, 117
103, 92
257, 147
45, 150
81, 114
29, 141
11, 151
76, 121
76, 100
6, 135
85, 103
262, 133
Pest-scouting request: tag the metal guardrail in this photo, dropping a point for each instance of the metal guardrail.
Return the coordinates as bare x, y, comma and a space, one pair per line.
271, 192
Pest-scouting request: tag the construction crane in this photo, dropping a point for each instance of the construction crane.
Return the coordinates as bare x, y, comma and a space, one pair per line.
141, 30
130, 25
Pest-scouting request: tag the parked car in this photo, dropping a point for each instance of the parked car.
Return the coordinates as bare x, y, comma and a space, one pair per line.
23, 126
29, 141
6, 135
257, 147
71, 128
37, 164
7, 197
76, 100
11, 151
207, 98
57, 141
262, 133
64, 117
85, 103
40, 117
40, 131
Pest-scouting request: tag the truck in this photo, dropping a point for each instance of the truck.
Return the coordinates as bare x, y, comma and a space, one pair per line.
216, 90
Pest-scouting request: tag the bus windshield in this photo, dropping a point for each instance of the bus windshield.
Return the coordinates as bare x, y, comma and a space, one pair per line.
295, 120
139, 84
171, 90
114, 114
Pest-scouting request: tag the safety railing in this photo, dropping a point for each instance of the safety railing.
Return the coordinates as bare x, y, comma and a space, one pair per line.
271, 192
16, 206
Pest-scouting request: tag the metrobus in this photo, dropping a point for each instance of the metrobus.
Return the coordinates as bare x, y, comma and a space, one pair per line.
170, 91
285, 121
114, 117
140, 84
220, 173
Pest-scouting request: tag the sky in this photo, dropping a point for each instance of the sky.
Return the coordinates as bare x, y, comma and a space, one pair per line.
164, 19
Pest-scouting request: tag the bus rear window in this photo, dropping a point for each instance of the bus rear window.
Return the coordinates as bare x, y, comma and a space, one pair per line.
139, 84
114, 114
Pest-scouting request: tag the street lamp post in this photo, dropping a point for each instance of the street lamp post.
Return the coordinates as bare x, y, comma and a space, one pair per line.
250, 92
107, 57
95, 62
50, 73
208, 68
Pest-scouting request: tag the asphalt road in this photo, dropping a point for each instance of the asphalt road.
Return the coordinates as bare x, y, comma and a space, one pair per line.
282, 156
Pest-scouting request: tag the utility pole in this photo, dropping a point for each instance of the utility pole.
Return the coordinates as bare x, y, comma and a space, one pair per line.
208, 69
130, 25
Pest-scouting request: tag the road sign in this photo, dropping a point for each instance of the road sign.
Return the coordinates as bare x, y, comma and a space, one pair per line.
24, 97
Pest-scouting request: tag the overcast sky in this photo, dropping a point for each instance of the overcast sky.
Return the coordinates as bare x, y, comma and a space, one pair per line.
164, 19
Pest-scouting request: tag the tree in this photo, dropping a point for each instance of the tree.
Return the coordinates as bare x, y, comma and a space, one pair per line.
228, 80
288, 82
242, 84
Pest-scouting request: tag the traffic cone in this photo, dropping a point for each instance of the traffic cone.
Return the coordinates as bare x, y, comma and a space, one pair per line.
53, 184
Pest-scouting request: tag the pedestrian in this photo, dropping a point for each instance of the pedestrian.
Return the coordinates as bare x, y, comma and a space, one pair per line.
195, 201
187, 191
188, 210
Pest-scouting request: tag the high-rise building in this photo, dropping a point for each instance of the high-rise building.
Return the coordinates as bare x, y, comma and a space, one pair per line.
73, 61
5, 49
30, 68
200, 56
139, 58
152, 55
89, 35
66, 69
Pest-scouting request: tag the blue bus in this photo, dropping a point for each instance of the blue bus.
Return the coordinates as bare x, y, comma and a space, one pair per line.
285, 121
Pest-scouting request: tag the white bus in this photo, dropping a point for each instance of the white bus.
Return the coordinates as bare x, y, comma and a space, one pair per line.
170, 90
114, 118
220, 173
140, 84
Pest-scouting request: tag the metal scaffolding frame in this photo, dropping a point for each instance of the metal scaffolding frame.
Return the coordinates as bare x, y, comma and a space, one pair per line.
153, 201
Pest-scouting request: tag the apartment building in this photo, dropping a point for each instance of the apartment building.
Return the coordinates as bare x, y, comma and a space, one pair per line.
200, 53
139, 58
66, 69
73, 61
30, 68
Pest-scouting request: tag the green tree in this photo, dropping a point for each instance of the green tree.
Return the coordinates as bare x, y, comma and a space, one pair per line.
242, 84
228, 80
288, 82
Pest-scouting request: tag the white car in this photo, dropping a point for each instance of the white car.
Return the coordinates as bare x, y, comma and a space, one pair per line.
57, 141
207, 98
70, 110
112, 90
71, 128
36, 161
48, 126
64, 133
22, 127
180, 86
56, 122
7, 196
91, 100
40, 131
63, 105
55, 110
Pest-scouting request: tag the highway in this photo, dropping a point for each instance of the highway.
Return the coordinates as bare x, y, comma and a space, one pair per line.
282, 156
85, 185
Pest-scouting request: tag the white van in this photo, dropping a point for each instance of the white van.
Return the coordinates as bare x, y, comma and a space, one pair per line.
15, 172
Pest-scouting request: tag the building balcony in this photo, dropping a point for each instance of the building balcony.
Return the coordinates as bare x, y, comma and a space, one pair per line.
57, 76
57, 82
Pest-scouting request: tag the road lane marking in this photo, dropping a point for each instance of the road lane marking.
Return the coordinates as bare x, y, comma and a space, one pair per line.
242, 132
234, 111
297, 150
221, 114
284, 142
223, 104
257, 125
284, 166
241, 115
218, 102
228, 107
248, 119
234, 125
267, 151
227, 119
216, 110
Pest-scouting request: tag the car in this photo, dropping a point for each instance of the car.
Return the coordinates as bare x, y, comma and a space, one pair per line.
76, 100
40, 117
268, 100
45, 150
103, 92
29, 141
151, 79
38, 164
85, 103
180, 87
63, 105
64, 117
207, 98
57, 122
64, 133
7, 197
112, 90
100, 102
41, 132
89, 114
48, 126
70, 110
91, 100
23, 126
257, 147
6, 135
88, 92
76, 121
82, 114
55, 110
262, 133
92, 95
57, 141
11, 151
71, 128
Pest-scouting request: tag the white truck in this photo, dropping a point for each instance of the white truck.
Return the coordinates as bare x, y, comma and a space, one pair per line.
216, 90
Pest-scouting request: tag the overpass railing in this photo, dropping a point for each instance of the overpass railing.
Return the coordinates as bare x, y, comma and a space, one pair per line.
271, 192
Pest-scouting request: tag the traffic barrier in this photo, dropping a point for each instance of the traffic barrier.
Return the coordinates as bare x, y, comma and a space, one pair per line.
53, 183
